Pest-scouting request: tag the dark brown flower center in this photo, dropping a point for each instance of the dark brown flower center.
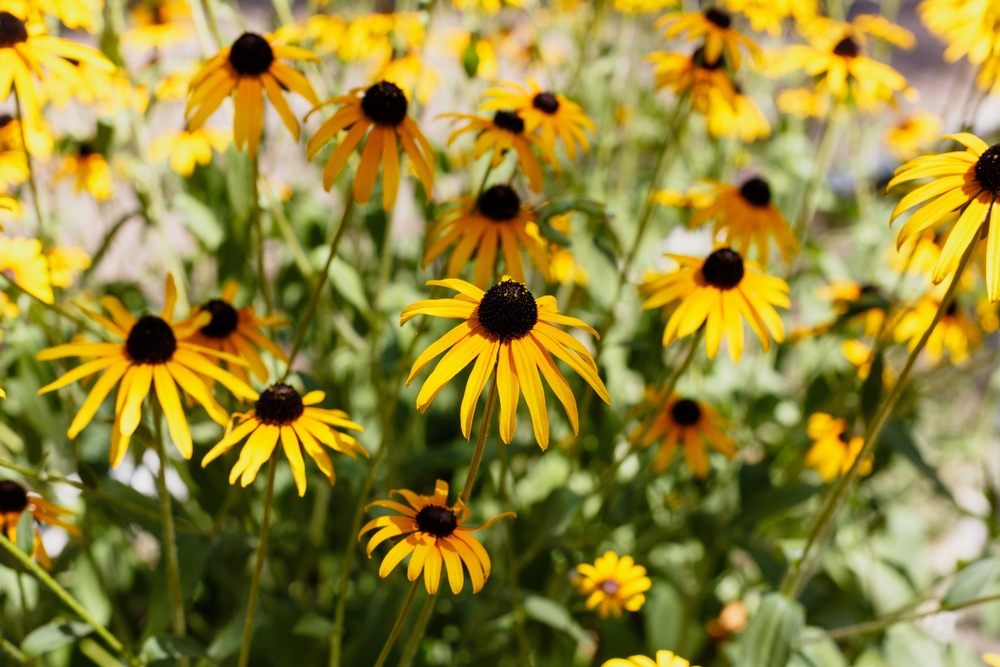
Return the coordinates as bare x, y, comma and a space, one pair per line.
385, 103
510, 121
546, 103
951, 310
847, 48
508, 310
610, 586
988, 169
13, 498
12, 30
5, 120
685, 412
756, 192
437, 520
699, 60
844, 437
868, 288
723, 269
85, 150
151, 341
718, 17
251, 55
224, 319
499, 203
279, 405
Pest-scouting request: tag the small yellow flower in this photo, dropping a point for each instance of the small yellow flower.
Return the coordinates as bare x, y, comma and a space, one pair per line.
22, 261
612, 584
500, 134
992, 659
681, 421
65, 262
833, 451
90, 172
715, 26
663, 659
160, 24
188, 148
488, 6
768, 15
735, 115
955, 333
912, 134
746, 218
695, 75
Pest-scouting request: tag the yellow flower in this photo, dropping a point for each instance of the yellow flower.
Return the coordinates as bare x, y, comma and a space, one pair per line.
853, 299
746, 218
912, 134
156, 353
160, 24
971, 29
612, 584
281, 413
720, 292
833, 452
8, 203
22, 261
955, 333
563, 267
715, 26
495, 221
735, 115
767, 15
549, 114
90, 172
684, 421
503, 132
15, 500
992, 659
435, 534
13, 161
250, 67
507, 329
702, 79
65, 262
642, 6
663, 659
382, 109
803, 103
414, 76
93, 83
74, 14
26, 50
967, 179
187, 148
374, 36
173, 86
489, 6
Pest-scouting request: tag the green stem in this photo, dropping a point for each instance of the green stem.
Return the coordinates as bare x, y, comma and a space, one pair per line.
177, 621
258, 566
255, 218
413, 643
14, 652
520, 622
810, 195
32, 182
60, 592
398, 625
320, 283
800, 572
484, 428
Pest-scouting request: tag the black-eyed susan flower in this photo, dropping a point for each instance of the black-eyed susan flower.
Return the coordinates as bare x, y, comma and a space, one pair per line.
236, 331
188, 148
485, 226
433, 534
382, 108
715, 25
612, 584
956, 333
694, 75
26, 50
851, 299
681, 421
507, 329
768, 15
74, 14
13, 159
720, 291
249, 68
89, 171
23, 262
156, 354
159, 24
912, 134
970, 30
833, 451
503, 132
549, 114
65, 264
663, 659
745, 217
967, 180
282, 414
735, 115
15, 500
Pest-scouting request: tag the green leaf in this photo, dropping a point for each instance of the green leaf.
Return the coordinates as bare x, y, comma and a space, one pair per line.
54, 635
556, 616
98, 654
347, 283
972, 580
26, 532
817, 650
772, 632
168, 647
470, 58
200, 220
313, 625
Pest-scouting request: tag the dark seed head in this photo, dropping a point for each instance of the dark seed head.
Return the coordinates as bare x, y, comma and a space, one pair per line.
224, 319
951, 310
868, 288
437, 520
718, 17
385, 103
508, 310
5, 120
12, 30
13, 498
85, 150
988, 169
510, 121
844, 437
151, 341
279, 405
610, 586
685, 412
251, 55
723, 269
546, 103
499, 203
846, 48
756, 192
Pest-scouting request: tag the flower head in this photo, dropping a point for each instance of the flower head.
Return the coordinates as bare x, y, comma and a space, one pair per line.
956, 333
713, 24
833, 451
686, 422
90, 172
435, 537
663, 659
911, 134
188, 148
612, 584
746, 217
505, 131
15, 500
159, 24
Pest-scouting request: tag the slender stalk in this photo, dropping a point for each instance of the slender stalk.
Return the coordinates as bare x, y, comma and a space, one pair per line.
258, 566
177, 621
800, 572
320, 283
824, 154
413, 643
32, 182
60, 592
258, 227
14, 652
398, 625
484, 428
520, 623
